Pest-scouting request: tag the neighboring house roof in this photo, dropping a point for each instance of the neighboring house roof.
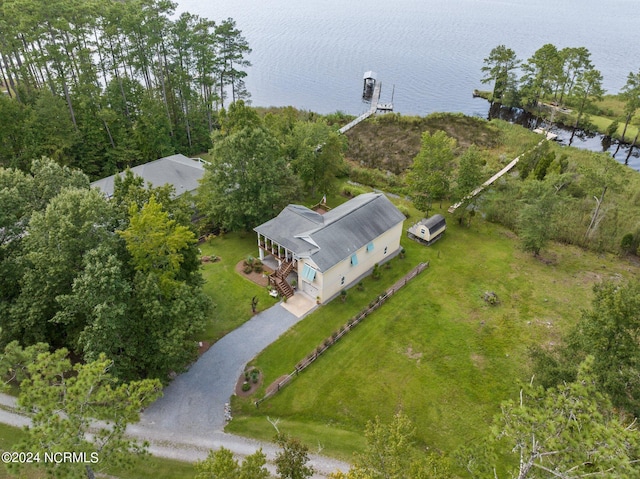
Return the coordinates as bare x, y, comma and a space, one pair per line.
330, 238
176, 170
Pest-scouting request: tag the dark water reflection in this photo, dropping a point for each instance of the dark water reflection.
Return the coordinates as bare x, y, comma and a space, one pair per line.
581, 139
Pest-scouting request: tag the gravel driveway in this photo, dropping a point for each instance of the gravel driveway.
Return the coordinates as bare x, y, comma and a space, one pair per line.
194, 402
188, 420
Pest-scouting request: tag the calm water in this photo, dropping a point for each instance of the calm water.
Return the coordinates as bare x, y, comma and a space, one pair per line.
312, 54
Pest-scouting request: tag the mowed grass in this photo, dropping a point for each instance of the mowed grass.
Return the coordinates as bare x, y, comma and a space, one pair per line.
230, 291
435, 350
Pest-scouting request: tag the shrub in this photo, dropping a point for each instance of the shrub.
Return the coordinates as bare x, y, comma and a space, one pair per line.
491, 298
246, 386
404, 210
375, 274
247, 269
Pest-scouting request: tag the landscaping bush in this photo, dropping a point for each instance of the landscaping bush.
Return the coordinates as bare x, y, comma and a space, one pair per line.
405, 211
376, 274
258, 267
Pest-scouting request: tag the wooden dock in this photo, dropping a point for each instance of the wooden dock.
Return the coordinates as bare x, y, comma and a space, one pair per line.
375, 106
490, 181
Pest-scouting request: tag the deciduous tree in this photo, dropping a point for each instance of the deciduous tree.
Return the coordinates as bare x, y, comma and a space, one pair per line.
248, 181
73, 223
429, 178
317, 155
391, 453
291, 461
156, 242
534, 222
222, 465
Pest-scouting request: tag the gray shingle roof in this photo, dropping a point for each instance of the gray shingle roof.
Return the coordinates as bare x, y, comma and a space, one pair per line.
330, 238
433, 223
176, 170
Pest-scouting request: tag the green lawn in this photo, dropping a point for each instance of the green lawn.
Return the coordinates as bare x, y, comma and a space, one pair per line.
435, 350
230, 291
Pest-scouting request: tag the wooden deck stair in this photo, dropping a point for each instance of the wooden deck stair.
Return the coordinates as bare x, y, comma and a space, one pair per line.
284, 288
279, 279
284, 269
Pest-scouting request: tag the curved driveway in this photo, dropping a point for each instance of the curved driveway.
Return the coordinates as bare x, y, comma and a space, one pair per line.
194, 402
188, 420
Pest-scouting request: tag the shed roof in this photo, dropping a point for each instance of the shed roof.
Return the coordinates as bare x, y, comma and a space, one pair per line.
176, 170
330, 238
433, 223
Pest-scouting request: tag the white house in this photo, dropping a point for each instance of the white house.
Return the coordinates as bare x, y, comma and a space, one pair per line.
331, 251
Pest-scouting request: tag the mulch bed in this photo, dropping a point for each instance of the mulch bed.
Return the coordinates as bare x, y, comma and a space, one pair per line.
257, 278
254, 387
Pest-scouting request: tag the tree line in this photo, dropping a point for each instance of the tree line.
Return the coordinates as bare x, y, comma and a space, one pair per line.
566, 77
101, 85
118, 277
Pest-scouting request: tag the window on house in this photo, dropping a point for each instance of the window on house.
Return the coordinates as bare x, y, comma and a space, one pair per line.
385, 250
370, 247
354, 260
308, 272
342, 280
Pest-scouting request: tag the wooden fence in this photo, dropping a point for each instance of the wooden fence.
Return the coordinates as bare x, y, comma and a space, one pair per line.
336, 336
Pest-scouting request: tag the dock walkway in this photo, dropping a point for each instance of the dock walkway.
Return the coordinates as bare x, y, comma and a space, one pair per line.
375, 99
491, 180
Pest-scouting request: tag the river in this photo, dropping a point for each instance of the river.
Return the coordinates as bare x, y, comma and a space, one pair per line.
427, 53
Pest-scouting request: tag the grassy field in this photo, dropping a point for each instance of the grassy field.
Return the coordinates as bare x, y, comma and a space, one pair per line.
436, 350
